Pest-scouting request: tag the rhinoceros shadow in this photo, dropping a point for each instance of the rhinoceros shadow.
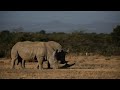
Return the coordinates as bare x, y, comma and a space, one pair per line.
67, 66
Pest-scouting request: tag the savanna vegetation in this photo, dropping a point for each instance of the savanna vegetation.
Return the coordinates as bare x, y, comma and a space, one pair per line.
78, 42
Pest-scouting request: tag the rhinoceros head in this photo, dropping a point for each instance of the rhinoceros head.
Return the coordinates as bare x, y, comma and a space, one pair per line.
60, 56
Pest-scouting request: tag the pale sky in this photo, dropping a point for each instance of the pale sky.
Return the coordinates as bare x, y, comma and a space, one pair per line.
74, 17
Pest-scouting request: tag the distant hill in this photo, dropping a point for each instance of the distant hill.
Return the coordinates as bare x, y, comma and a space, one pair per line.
58, 26
101, 27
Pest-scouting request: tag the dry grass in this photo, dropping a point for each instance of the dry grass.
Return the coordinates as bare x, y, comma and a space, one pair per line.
80, 67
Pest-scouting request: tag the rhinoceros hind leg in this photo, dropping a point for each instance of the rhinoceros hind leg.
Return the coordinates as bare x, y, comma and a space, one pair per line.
37, 66
40, 62
48, 64
13, 63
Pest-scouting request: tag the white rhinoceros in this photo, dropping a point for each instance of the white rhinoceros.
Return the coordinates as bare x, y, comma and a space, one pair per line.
28, 50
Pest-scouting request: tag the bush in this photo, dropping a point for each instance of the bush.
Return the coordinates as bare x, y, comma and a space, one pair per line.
2, 54
77, 42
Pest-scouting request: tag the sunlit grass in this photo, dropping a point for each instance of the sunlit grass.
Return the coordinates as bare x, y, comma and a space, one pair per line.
90, 67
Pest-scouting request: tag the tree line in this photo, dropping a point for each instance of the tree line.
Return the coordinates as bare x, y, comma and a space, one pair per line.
77, 41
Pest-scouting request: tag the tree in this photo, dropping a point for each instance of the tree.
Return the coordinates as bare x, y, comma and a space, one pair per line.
116, 35
42, 32
5, 36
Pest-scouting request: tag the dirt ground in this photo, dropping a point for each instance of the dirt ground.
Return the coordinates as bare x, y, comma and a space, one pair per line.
78, 67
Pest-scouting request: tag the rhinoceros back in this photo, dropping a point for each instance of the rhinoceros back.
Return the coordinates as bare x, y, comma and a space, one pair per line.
27, 50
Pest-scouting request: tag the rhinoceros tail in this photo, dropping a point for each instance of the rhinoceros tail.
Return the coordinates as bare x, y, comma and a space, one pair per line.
19, 59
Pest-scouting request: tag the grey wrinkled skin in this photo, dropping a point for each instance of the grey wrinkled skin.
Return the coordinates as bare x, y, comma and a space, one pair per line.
28, 50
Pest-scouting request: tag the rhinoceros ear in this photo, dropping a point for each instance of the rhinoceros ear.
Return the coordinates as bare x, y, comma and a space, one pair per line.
55, 53
59, 50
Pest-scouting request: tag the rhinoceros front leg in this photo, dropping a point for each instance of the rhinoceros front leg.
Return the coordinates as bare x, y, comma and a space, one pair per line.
40, 62
48, 64
53, 62
23, 64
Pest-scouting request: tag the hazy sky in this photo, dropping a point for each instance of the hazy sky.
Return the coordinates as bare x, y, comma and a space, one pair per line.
75, 17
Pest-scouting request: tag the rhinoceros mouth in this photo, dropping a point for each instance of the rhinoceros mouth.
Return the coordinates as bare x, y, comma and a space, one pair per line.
63, 62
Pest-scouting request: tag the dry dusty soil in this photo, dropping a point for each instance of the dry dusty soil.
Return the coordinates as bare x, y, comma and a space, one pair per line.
78, 67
